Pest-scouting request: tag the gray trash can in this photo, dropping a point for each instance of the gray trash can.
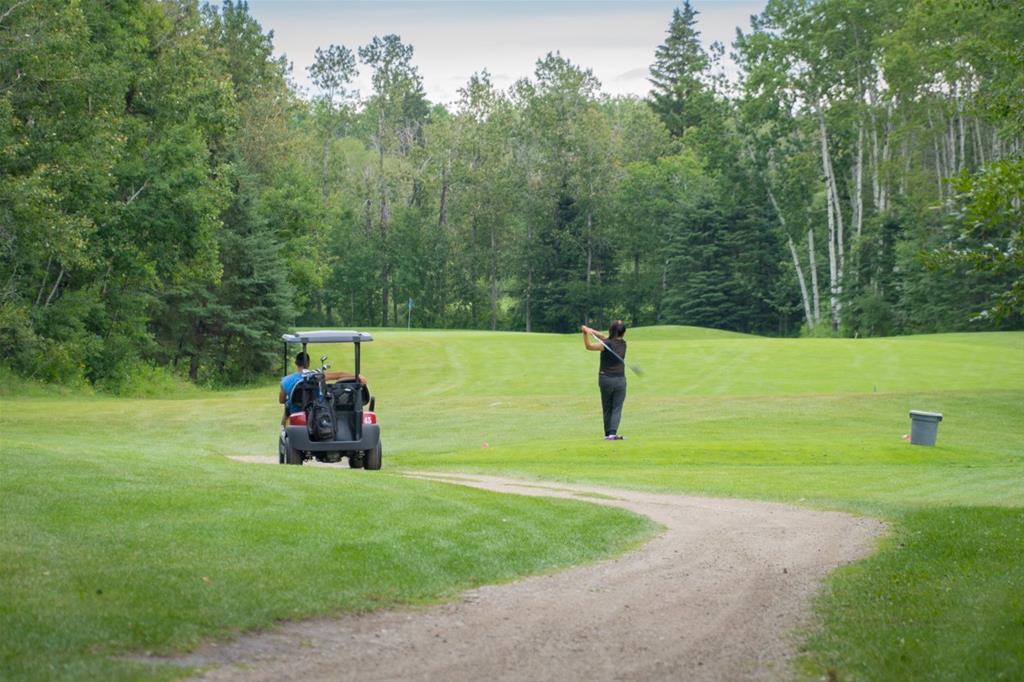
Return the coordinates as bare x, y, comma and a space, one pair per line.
923, 427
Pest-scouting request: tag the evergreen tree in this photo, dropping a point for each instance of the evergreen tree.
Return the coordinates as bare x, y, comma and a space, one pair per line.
254, 302
762, 299
556, 269
678, 92
697, 278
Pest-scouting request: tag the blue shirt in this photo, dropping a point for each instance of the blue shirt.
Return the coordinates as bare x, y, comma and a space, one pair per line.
287, 384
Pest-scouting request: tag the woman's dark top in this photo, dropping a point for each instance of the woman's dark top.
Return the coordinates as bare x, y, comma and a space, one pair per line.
609, 363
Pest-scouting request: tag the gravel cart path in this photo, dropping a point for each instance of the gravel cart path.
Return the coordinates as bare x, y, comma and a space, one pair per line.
715, 596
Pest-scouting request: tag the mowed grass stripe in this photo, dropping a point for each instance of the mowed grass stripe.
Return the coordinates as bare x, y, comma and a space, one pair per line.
820, 366
680, 363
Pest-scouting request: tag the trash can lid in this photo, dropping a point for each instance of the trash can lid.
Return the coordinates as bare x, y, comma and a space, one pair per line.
936, 416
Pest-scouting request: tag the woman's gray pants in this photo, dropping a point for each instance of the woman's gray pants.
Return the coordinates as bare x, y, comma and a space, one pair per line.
613, 394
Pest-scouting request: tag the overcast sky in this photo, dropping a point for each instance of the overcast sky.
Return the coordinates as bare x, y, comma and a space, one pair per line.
454, 39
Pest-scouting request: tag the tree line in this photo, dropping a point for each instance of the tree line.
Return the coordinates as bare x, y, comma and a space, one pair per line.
169, 198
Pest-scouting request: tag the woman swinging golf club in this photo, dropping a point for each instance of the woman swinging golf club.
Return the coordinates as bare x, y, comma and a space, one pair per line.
612, 375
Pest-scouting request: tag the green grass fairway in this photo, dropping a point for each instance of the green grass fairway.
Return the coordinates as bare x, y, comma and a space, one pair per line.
125, 528
122, 532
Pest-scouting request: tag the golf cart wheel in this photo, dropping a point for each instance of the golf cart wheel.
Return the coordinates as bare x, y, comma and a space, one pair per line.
355, 460
291, 455
373, 458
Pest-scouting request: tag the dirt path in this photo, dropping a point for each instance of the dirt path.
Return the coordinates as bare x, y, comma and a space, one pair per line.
714, 597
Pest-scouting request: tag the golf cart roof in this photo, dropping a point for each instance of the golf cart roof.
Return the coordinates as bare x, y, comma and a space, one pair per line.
327, 336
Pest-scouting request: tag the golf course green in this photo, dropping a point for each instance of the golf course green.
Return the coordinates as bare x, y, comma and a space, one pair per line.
128, 529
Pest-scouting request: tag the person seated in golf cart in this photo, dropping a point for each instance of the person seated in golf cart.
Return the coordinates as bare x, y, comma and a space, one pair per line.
289, 382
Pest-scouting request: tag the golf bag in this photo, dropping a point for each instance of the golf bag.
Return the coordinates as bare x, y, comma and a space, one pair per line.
320, 420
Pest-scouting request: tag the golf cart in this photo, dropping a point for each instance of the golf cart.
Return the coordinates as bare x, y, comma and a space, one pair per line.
332, 422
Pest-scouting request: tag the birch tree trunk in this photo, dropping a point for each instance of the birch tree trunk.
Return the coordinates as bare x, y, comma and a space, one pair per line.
951, 160
963, 136
833, 267
803, 285
883, 204
811, 321
442, 212
813, 266
858, 181
880, 153
979, 148
53, 291
938, 154
876, 158
835, 229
